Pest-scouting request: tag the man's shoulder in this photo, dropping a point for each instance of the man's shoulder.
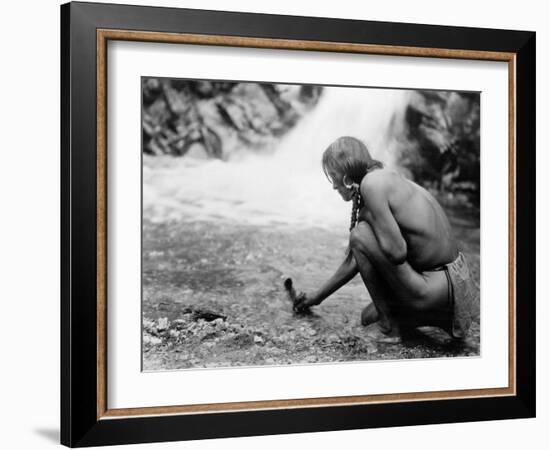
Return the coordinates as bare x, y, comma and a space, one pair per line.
380, 180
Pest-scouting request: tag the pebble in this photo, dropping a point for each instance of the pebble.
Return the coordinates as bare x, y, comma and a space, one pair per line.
151, 340
162, 324
371, 347
174, 333
148, 324
258, 339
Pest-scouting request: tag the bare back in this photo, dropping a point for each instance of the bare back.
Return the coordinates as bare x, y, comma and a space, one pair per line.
421, 220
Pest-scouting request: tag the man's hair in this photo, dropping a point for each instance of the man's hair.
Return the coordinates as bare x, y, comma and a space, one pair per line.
349, 156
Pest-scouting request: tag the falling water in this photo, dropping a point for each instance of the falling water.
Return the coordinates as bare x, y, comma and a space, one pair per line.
287, 186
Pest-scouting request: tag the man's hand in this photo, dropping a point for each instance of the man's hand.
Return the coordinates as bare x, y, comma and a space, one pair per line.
303, 302
300, 301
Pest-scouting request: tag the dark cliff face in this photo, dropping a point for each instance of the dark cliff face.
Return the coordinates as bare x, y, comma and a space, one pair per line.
442, 148
214, 119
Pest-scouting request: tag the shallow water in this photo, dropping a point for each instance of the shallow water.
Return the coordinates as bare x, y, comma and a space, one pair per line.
237, 272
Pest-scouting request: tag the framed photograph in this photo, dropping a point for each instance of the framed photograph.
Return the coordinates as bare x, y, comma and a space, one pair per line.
277, 224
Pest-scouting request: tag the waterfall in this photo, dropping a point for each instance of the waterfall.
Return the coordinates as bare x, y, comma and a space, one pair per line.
287, 186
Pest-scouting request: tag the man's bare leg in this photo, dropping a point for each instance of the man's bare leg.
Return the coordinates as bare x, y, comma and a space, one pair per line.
415, 295
380, 310
369, 314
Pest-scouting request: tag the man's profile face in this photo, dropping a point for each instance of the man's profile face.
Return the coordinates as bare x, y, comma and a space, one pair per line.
337, 181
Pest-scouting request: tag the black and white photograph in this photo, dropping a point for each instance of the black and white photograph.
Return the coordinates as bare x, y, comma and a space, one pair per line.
302, 224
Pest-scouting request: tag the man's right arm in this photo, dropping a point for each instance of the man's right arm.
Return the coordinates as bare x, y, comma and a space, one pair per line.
347, 270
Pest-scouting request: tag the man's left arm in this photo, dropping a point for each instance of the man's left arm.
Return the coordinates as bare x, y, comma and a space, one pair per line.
382, 221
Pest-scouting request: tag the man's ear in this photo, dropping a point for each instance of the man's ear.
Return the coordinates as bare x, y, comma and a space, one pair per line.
347, 182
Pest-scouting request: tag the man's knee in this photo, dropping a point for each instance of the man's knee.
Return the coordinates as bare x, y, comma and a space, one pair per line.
361, 237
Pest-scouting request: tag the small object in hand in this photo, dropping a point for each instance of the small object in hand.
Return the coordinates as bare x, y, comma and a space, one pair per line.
296, 298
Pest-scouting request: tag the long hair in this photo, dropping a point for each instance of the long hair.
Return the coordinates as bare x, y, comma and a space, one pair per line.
350, 156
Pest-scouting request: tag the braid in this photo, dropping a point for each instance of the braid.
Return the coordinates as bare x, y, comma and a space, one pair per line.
357, 205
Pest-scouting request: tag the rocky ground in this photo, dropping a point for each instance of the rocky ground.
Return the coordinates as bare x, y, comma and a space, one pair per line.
213, 297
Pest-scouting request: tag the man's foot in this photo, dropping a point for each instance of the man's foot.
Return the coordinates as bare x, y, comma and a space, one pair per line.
384, 334
391, 337
370, 315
